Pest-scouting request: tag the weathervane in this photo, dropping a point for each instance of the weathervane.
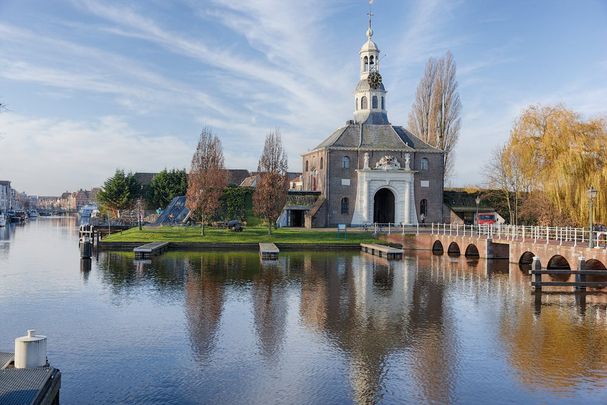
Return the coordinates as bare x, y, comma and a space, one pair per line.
370, 14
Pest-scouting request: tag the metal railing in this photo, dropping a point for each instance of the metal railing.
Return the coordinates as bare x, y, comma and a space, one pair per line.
536, 234
542, 234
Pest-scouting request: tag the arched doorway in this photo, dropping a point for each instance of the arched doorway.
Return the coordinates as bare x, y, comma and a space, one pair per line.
383, 207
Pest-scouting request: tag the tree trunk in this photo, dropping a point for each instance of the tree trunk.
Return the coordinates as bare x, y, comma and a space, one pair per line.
202, 225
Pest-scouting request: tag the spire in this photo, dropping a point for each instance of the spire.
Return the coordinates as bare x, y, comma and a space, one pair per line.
370, 94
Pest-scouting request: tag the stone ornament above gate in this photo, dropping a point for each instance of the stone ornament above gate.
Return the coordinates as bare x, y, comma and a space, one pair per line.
387, 163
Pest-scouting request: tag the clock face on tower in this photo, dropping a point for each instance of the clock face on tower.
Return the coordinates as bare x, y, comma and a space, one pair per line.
374, 80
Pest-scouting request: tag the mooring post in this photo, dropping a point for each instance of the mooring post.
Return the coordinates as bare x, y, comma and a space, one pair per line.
537, 277
580, 277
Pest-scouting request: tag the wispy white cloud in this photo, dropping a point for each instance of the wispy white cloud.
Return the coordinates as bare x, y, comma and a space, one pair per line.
47, 156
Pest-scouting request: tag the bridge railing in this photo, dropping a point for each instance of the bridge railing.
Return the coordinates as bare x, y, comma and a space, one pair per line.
545, 234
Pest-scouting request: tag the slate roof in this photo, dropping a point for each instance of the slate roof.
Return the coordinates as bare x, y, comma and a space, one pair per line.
236, 176
145, 179
377, 137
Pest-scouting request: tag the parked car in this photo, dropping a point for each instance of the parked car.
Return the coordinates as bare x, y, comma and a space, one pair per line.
235, 225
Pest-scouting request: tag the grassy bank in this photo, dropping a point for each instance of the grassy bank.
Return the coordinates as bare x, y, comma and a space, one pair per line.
248, 235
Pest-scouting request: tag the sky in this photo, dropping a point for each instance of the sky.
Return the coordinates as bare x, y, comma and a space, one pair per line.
93, 86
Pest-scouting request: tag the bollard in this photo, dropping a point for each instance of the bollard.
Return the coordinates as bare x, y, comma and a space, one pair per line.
86, 249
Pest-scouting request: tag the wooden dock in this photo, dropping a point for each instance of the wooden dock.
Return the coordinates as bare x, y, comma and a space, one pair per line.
268, 251
150, 249
38, 386
580, 282
382, 251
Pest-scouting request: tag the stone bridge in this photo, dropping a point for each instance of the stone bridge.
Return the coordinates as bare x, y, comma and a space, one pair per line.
552, 253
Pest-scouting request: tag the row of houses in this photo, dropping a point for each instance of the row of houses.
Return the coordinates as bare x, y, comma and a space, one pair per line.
68, 201
8, 196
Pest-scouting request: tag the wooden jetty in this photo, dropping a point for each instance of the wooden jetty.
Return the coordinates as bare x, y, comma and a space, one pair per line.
36, 386
268, 251
150, 249
382, 251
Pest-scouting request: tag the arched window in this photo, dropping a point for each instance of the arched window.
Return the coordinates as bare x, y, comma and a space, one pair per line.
356, 104
313, 183
320, 163
374, 102
423, 164
423, 207
366, 64
383, 105
307, 166
371, 62
363, 103
345, 205
345, 162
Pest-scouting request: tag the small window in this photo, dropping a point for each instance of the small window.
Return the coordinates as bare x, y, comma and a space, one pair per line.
423, 208
306, 165
371, 62
356, 104
383, 105
423, 165
345, 205
366, 64
374, 102
363, 103
321, 163
345, 162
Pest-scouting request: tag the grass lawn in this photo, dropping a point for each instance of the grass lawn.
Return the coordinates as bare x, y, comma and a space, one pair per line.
252, 234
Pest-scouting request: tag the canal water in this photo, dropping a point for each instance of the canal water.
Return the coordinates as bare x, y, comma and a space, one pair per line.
314, 328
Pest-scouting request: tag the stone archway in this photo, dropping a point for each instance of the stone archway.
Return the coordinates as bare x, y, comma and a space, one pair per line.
383, 206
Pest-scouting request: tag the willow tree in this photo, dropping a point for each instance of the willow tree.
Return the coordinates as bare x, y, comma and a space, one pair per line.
207, 178
435, 116
560, 156
270, 194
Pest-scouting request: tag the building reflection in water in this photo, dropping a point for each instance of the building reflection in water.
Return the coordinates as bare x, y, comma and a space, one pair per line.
373, 308
395, 321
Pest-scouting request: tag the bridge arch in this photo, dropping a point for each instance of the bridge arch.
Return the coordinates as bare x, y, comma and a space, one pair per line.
526, 258
472, 251
558, 262
437, 248
594, 264
453, 250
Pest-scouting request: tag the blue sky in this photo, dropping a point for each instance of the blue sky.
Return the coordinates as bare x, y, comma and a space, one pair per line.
91, 86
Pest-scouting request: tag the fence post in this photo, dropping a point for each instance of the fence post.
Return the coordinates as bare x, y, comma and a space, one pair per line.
537, 277
547, 234
580, 277
389, 228
417, 228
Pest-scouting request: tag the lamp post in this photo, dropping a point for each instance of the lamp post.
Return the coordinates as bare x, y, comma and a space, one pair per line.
591, 196
478, 201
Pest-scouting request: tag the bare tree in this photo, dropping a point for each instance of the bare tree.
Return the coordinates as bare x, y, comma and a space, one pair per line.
207, 179
435, 116
421, 113
271, 192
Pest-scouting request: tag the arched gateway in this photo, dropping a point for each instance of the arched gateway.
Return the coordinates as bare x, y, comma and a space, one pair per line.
383, 206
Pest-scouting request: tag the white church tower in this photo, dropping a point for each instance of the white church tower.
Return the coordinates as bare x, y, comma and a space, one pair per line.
370, 94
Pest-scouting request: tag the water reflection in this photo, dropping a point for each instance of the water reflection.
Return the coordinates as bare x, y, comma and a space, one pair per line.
418, 328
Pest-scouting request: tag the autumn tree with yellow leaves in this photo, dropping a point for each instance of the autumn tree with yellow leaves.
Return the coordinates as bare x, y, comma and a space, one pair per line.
545, 169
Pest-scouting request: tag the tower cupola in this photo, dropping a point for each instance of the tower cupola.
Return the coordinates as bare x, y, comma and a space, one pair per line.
370, 94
